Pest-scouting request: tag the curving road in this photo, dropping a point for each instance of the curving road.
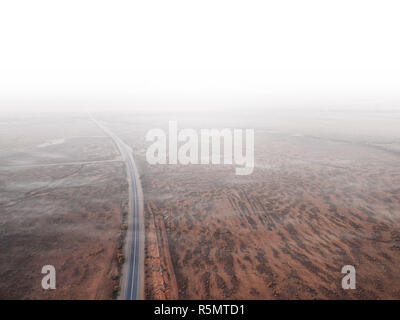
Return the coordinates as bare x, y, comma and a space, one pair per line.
133, 277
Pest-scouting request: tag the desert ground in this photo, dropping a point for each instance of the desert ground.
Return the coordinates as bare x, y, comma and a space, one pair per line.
63, 197
325, 192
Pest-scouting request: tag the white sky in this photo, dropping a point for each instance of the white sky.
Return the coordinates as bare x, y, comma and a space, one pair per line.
199, 52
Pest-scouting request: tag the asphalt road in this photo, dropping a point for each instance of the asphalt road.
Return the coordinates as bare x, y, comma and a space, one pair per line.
133, 278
